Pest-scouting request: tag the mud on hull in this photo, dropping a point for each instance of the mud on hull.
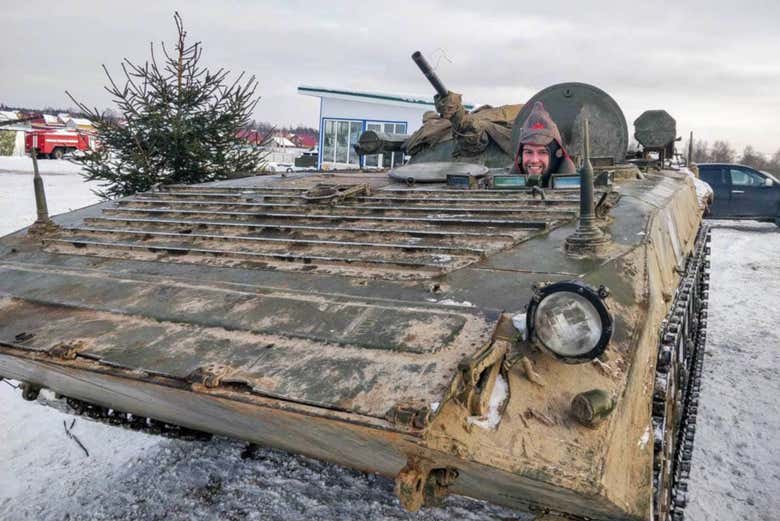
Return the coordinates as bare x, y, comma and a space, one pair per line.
423, 476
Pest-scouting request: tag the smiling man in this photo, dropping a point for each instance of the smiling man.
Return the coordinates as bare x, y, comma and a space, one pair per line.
540, 152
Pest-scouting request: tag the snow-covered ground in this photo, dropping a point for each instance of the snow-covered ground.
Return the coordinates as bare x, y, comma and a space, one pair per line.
736, 461
49, 166
44, 475
65, 190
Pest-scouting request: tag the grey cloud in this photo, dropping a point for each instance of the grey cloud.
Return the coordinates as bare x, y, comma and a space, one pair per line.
698, 59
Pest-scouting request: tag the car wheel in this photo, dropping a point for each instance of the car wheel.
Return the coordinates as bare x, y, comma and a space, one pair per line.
57, 153
290, 170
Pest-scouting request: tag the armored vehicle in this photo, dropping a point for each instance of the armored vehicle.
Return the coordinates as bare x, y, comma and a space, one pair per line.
453, 327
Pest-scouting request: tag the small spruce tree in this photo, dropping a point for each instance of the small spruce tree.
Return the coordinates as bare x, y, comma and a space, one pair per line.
177, 123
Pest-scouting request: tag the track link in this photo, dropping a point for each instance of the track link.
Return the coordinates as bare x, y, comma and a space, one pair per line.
678, 384
133, 422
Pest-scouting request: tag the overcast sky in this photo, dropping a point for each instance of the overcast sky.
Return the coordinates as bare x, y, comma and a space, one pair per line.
714, 66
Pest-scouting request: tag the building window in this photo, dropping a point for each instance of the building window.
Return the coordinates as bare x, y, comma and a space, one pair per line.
385, 160
338, 138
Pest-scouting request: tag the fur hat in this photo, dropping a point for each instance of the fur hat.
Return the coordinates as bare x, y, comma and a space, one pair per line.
539, 128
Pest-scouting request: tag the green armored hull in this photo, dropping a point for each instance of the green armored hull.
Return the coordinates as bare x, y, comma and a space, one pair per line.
342, 331
380, 326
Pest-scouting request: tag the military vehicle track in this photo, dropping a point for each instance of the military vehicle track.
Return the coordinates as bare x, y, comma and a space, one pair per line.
134, 422
677, 385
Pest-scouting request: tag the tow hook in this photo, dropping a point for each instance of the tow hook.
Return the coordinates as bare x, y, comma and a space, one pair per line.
418, 484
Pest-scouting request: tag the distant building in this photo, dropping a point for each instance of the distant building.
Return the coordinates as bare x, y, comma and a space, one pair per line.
251, 136
76, 123
305, 140
12, 135
344, 115
278, 141
279, 148
52, 121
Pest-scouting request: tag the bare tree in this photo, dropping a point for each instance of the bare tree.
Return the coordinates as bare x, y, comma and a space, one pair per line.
722, 152
752, 158
700, 151
774, 163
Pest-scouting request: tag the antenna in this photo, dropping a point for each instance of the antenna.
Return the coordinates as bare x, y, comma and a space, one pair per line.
588, 238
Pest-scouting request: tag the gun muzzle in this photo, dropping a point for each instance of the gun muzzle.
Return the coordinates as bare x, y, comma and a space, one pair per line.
426, 69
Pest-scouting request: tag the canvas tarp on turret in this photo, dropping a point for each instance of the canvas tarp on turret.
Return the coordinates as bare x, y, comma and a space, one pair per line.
495, 121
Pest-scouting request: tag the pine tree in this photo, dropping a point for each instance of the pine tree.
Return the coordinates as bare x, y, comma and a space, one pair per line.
177, 124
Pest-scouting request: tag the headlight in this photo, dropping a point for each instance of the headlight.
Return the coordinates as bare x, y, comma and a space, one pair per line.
571, 320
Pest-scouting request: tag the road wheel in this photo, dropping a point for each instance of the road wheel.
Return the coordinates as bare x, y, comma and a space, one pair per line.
57, 153
290, 170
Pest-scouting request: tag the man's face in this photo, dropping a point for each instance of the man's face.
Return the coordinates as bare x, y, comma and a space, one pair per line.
536, 159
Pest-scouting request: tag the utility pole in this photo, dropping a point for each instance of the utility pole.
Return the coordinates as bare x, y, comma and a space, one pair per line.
690, 150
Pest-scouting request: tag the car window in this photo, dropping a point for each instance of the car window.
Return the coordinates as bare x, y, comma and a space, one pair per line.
742, 177
713, 176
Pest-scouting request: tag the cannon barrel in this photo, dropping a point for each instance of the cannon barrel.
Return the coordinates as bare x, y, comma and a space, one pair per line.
374, 142
426, 69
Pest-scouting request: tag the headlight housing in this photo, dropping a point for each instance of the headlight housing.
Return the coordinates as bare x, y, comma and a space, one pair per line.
570, 320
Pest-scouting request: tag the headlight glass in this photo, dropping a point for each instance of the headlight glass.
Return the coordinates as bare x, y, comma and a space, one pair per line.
567, 324
570, 320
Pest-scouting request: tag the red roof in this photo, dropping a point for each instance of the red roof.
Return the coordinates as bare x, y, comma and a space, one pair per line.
252, 136
305, 140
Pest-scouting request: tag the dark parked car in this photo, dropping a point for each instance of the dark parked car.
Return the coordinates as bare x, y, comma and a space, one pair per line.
742, 192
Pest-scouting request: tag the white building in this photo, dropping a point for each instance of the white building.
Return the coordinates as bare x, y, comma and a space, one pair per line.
281, 150
344, 115
14, 131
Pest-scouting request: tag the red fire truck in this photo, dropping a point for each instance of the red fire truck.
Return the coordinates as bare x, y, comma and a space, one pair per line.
55, 143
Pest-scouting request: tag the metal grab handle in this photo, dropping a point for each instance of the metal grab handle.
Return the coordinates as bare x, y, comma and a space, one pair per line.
737, 191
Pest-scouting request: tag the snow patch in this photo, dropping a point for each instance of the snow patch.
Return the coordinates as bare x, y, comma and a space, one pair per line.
645, 438
24, 165
442, 259
451, 302
64, 192
519, 322
497, 398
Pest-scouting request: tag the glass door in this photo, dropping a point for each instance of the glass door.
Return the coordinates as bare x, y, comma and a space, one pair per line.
337, 144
